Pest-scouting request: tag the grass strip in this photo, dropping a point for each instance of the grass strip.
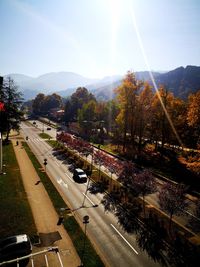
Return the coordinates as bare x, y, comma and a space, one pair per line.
45, 136
91, 258
16, 214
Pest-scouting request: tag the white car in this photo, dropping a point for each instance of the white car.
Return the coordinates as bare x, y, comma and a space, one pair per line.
79, 176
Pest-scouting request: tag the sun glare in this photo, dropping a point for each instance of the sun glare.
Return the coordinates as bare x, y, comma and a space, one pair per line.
136, 28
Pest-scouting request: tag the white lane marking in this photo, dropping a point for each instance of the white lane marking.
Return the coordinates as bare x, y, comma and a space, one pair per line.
88, 198
60, 181
69, 178
124, 239
46, 260
57, 163
192, 215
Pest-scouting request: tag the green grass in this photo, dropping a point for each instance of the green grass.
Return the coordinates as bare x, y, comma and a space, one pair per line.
77, 236
16, 215
74, 230
45, 136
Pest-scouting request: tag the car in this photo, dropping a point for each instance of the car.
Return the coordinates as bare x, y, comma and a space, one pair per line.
48, 128
16, 246
34, 122
79, 176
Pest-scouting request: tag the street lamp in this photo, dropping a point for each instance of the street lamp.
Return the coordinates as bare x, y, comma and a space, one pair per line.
85, 221
45, 164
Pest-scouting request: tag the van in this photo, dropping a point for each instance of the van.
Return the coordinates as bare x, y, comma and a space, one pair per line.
79, 176
14, 247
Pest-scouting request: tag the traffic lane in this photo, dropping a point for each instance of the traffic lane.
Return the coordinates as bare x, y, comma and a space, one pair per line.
43, 127
102, 230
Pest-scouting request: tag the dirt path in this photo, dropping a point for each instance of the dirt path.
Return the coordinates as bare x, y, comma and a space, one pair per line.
43, 211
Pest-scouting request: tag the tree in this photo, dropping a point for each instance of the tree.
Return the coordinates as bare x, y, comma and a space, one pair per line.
86, 117
144, 111
43, 104
113, 165
145, 184
52, 101
76, 102
195, 221
12, 100
193, 115
172, 199
126, 177
161, 123
127, 99
99, 159
38, 104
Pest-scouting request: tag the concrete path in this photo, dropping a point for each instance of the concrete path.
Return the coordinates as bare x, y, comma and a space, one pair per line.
43, 211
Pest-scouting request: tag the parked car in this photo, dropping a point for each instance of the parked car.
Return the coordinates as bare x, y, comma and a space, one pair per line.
34, 122
48, 128
13, 247
79, 176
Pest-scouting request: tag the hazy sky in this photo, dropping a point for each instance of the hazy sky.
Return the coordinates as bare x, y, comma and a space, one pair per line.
96, 38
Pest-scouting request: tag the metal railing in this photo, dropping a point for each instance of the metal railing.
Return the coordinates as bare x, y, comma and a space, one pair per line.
32, 255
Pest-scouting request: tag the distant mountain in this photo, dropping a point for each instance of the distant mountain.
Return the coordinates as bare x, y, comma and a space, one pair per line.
181, 81
105, 91
49, 83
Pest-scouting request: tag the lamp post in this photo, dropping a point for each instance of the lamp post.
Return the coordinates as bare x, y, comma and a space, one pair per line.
85, 221
45, 164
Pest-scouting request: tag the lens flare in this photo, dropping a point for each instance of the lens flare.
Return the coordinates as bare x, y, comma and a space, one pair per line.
150, 72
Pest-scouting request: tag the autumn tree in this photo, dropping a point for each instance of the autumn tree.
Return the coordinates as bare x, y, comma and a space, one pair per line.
144, 112
127, 99
99, 159
127, 177
145, 184
193, 115
179, 119
172, 199
161, 123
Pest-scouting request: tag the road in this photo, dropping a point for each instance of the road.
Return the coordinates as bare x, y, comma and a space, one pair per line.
152, 198
116, 247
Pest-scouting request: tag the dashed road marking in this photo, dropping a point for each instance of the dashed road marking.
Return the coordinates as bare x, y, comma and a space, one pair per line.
124, 239
88, 198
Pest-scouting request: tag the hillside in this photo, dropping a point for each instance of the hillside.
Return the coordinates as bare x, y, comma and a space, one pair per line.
181, 81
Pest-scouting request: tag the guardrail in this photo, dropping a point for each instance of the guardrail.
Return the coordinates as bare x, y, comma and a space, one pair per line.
17, 260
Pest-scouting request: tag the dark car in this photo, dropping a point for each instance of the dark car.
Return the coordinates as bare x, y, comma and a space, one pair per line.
15, 247
79, 176
48, 128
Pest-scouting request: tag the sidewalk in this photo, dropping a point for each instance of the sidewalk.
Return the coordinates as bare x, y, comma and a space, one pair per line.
43, 211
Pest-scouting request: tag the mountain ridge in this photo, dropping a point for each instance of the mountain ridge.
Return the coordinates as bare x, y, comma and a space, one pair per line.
181, 81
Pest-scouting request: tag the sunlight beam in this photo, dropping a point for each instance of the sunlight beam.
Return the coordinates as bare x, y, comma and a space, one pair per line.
150, 72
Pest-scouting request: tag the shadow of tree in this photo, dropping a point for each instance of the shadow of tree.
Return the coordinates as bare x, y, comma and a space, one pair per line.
127, 214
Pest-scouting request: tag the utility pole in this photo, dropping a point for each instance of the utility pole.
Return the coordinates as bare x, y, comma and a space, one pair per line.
85, 221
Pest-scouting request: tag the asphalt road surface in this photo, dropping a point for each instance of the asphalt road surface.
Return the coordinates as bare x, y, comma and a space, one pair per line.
116, 247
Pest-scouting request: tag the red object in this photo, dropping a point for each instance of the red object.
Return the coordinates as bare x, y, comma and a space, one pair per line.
2, 107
